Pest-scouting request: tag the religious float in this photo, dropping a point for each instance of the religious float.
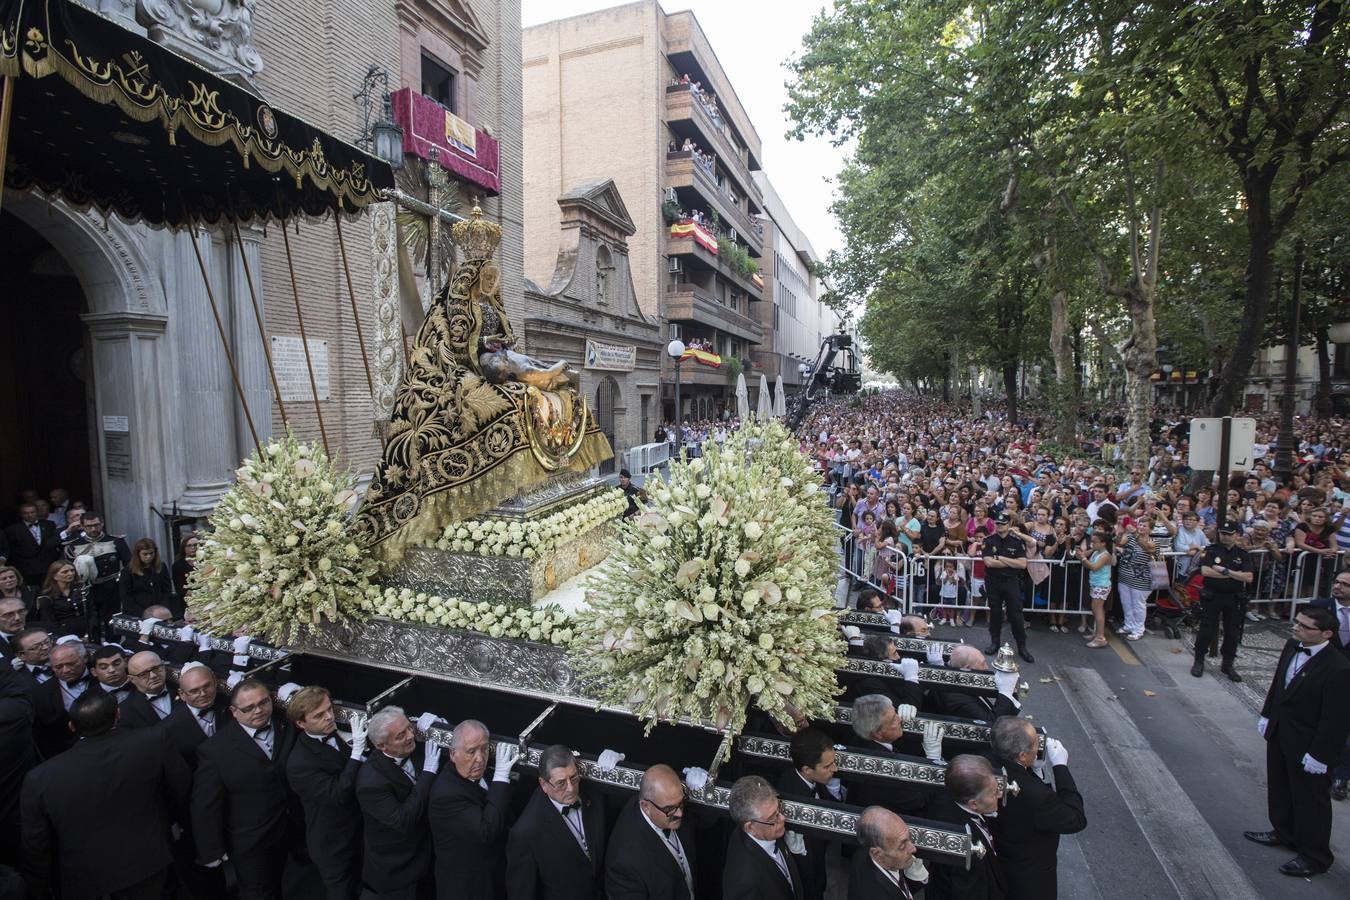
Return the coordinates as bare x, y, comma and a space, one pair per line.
484, 574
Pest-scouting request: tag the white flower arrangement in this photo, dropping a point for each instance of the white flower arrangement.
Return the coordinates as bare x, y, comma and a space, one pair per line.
542, 624
493, 536
721, 594
281, 556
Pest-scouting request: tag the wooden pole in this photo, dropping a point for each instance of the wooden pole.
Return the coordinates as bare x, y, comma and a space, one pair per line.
225, 344
257, 317
304, 341
6, 108
1225, 450
356, 315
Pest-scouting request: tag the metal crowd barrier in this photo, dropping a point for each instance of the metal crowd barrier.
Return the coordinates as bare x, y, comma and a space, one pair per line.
644, 458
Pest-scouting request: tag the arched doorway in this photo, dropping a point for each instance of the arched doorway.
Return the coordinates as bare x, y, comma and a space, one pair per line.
606, 399
46, 390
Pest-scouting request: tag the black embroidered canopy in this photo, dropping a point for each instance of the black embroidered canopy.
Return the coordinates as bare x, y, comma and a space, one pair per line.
108, 119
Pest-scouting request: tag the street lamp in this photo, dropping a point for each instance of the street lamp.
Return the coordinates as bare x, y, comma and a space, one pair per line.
1167, 381
675, 350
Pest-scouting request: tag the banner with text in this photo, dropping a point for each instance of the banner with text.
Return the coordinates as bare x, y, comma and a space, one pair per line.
614, 357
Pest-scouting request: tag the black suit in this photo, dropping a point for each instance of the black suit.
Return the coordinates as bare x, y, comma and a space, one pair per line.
903, 798
239, 805
1028, 827
29, 556
1330, 603
544, 859
468, 831
638, 865
6, 649
394, 818
17, 756
867, 882
897, 689
135, 775
984, 880
1310, 716
812, 865
52, 730
751, 874
137, 712
184, 732
972, 706
324, 777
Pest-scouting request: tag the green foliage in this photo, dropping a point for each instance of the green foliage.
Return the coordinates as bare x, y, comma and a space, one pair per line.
670, 211
733, 368
736, 257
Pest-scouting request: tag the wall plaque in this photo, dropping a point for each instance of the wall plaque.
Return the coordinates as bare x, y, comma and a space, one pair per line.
288, 358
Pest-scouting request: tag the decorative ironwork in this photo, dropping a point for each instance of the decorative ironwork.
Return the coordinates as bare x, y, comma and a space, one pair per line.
256, 651
853, 762
931, 675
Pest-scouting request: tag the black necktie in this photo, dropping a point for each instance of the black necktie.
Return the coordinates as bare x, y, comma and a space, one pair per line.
1306, 651
40, 670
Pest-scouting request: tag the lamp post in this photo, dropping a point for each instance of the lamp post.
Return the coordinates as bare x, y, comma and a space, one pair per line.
675, 350
1167, 380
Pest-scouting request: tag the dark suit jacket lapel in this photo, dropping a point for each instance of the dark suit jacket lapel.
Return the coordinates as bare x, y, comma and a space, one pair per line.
1309, 668
793, 869
392, 773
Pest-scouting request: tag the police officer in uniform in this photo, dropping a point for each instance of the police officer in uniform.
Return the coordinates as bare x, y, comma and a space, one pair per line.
110, 554
1227, 569
1005, 564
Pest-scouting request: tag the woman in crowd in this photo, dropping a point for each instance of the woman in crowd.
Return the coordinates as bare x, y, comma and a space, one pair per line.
13, 588
59, 605
182, 566
1134, 582
146, 582
1316, 536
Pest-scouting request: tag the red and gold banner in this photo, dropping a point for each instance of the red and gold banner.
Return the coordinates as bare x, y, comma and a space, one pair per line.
703, 356
689, 228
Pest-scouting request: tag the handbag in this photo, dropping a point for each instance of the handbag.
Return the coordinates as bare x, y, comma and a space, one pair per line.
1158, 574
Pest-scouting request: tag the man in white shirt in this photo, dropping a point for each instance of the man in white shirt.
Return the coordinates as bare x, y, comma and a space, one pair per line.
758, 861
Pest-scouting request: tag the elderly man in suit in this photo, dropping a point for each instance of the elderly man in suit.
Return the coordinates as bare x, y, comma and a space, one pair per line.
134, 773
200, 712
556, 850
53, 698
971, 706
1339, 604
468, 815
322, 770
1028, 827
393, 789
33, 651
13, 618
17, 757
33, 544
758, 864
880, 727
1305, 721
884, 866
971, 801
649, 857
153, 700
239, 796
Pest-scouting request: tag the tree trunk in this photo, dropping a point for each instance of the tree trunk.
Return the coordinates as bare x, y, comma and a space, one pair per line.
1140, 353
1322, 405
1261, 239
1010, 390
1066, 380
976, 406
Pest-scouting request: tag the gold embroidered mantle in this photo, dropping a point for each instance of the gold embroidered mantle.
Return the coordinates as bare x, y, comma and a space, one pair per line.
459, 444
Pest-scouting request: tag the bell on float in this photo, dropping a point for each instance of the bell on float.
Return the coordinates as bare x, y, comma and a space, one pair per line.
1005, 660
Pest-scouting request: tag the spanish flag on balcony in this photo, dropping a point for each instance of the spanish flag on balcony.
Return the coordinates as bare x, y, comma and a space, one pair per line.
758, 280
703, 356
687, 228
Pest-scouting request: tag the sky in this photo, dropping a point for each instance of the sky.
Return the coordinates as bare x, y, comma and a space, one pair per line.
753, 39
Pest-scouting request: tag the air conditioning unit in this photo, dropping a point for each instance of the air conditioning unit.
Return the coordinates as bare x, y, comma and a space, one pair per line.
673, 264
670, 195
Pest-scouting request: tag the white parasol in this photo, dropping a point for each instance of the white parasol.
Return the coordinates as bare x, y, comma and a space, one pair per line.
764, 409
742, 398
779, 398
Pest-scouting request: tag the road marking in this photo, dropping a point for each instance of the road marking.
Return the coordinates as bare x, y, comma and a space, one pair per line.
1169, 821
1122, 650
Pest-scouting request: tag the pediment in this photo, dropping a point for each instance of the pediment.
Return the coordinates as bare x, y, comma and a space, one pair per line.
603, 200
460, 15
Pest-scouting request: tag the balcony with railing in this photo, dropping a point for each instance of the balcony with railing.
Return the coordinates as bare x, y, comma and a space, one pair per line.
686, 303
688, 115
695, 184
695, 245
468, 153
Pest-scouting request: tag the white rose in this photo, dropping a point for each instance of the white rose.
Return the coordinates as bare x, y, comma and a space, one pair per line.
742, 568
753, 531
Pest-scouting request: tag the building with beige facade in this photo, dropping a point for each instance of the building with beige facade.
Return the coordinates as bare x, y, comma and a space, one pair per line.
117, 386
637, 95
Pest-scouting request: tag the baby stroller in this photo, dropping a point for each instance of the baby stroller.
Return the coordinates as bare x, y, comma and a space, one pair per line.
1179, 605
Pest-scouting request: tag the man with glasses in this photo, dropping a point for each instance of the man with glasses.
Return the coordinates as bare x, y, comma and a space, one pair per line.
556, 850
32, 649
648, 855
239, 796
758, 861
199, 713
53, 698
13, 617
1339, 604
1305, 721
469, 815
153, 700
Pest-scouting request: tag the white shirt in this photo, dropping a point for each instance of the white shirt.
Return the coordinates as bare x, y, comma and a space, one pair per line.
572, 818
676, 850
894, 877
1299, 660
205, 719
162, 705
1343, 622
405, 764
69, 693
263, 736
327, 739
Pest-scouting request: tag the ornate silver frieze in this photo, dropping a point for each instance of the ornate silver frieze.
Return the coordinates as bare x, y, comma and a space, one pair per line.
256, 651
929, 675
857, 763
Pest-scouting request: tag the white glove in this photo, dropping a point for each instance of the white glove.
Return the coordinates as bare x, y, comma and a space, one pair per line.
935, 657
835, 789
1312, 766
1262, 725
431, 762
906, 712
507, 756
795, 843
932, 740
287, 691
216, 864
233, 679
696, 779
1056, 753
203, 642
186, 633
917, 871
148, 626
909, 669
1006, 682
241, 644
894, 616
608, 760
359, 739
425, 721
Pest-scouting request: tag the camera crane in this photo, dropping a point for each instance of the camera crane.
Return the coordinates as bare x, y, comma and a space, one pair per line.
835, 371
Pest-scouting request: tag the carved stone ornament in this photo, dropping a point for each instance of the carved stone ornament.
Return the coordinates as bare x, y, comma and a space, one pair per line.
928, 675
224, 27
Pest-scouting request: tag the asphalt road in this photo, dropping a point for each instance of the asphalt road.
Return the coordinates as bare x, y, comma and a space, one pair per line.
1171, 768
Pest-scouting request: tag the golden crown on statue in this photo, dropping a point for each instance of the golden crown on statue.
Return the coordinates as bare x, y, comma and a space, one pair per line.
476, 235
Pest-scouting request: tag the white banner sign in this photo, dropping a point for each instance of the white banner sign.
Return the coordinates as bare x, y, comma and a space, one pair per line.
288, 358
614, 357
1205, 438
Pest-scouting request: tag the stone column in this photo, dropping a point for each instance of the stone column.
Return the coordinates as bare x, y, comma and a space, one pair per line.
205, 402
249, 354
